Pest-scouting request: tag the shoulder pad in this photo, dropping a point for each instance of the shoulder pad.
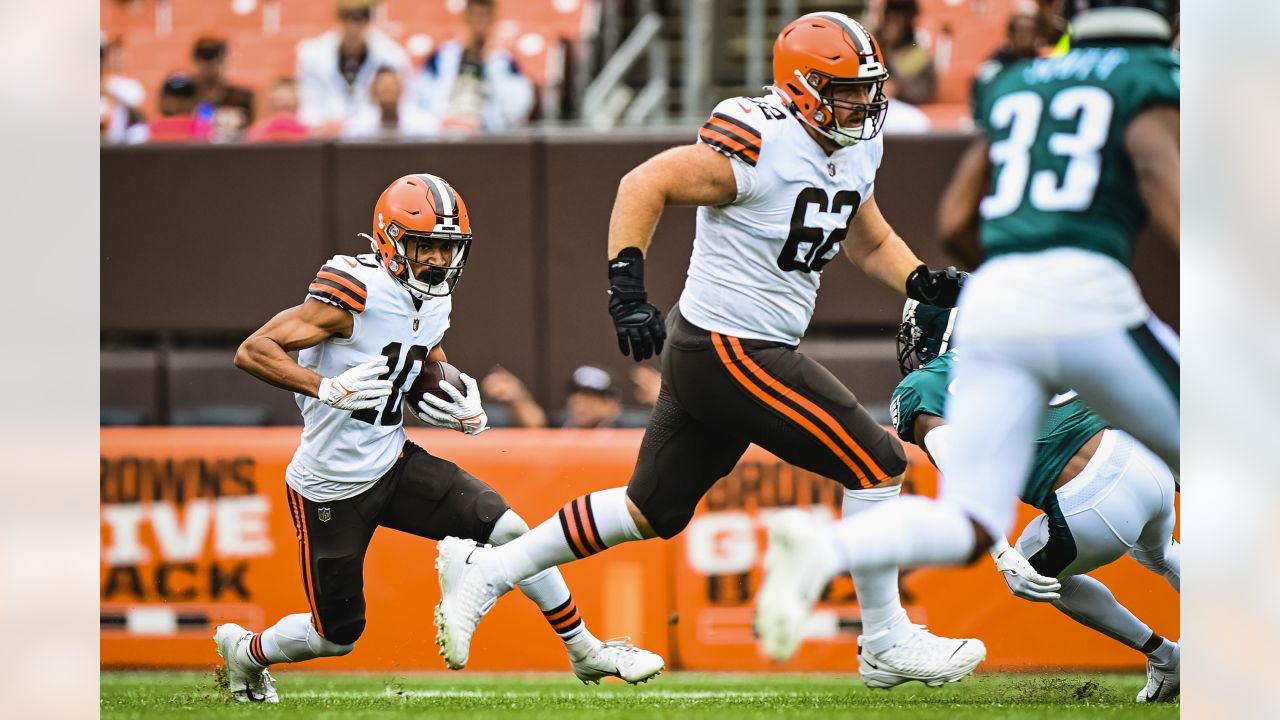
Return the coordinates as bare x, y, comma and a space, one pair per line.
737, 125
338, 283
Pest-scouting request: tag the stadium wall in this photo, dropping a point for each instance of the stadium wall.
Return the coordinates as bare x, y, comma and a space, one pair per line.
216, 239
195, 531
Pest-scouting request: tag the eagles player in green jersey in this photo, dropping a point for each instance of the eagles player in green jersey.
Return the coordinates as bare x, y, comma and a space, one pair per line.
1078, 152
1102, 495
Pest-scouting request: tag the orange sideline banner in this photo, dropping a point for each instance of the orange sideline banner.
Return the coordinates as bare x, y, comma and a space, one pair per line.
196, 531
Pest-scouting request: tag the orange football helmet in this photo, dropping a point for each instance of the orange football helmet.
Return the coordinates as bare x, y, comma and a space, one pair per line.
422, 207
822, 52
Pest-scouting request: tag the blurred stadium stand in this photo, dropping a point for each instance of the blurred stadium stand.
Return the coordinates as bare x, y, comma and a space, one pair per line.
704, 50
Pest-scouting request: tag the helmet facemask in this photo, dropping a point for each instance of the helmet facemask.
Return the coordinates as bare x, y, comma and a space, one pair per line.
418, 275
826, 118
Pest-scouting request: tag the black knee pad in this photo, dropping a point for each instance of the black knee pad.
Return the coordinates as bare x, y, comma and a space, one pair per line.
487, 508
667, 516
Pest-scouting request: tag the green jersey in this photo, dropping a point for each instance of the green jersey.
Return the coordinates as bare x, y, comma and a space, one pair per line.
1061, 174
1067, 427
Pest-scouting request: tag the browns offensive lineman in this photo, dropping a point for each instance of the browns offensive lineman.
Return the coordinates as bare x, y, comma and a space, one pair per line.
783, 181
364, 331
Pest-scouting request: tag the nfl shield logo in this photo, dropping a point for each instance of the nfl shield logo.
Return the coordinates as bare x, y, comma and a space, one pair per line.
324, 514
417, 323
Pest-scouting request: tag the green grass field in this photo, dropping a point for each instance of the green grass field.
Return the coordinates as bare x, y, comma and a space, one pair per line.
474, 696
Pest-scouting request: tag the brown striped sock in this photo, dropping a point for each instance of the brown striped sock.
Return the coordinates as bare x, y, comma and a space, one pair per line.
564, 618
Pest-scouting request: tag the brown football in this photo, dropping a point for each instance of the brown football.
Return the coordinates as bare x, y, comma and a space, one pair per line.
428, 381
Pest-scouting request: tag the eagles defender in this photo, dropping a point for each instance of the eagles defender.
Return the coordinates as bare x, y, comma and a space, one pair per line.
1081, 151
783, 181
364, 331
1102, 495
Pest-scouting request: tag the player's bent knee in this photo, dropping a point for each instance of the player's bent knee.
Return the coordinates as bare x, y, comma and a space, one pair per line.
509, 527
895, 481
670, 523
342, 636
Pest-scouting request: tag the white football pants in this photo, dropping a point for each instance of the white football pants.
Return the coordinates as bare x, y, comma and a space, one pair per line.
1035, 325
1122, 502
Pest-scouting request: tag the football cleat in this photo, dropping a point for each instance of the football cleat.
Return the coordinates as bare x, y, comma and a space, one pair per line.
795, 572
470, 584
920, 656
618, 658
1162, 680
246, 681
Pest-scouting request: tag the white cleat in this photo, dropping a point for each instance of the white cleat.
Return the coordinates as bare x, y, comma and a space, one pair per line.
246, 681
469, 587
1162, 680
795, 572
920, 656
618, 658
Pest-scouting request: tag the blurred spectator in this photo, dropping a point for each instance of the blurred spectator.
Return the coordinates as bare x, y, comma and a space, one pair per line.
508, 402
648, 381
179, 121
1023, 42
336, 70
909, 62
475, 85
281, 123
391, 115
1050, 27
903, 118
595, 402
120, 117
232, 104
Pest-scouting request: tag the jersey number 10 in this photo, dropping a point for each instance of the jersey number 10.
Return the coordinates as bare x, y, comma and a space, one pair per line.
391, 412
1020, 112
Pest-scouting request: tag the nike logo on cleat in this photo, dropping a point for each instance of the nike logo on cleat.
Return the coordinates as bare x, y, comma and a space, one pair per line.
958, 647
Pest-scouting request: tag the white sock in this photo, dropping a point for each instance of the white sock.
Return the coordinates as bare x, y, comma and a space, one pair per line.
1091, 604
584, 527
884, 622
906, 532
292, 639
546, 589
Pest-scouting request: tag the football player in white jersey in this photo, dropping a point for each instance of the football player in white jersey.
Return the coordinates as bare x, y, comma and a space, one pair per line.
784, 182
364, 331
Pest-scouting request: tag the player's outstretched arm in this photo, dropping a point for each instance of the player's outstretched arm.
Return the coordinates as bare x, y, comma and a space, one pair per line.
1152, 142
265, 353
958, 209
686, 175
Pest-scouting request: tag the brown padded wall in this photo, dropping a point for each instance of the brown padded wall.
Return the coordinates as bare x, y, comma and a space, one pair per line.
219, 238
208, 238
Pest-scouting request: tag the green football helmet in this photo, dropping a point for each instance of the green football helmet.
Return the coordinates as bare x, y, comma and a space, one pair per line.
925, 333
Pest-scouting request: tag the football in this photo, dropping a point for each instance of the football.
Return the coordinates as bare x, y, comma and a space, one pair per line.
428, 381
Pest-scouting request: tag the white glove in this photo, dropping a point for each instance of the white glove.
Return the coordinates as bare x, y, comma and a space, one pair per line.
464, 414
1022, 579
358, 388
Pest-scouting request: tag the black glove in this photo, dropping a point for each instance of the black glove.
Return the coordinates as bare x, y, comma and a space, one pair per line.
641, 331
936, 287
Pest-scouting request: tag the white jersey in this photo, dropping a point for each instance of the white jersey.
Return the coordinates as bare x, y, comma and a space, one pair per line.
342, 453
757, 261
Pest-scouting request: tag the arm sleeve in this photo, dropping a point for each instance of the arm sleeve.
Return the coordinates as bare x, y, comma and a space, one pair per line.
339, 286
904, 408
733, 130
1158, 82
